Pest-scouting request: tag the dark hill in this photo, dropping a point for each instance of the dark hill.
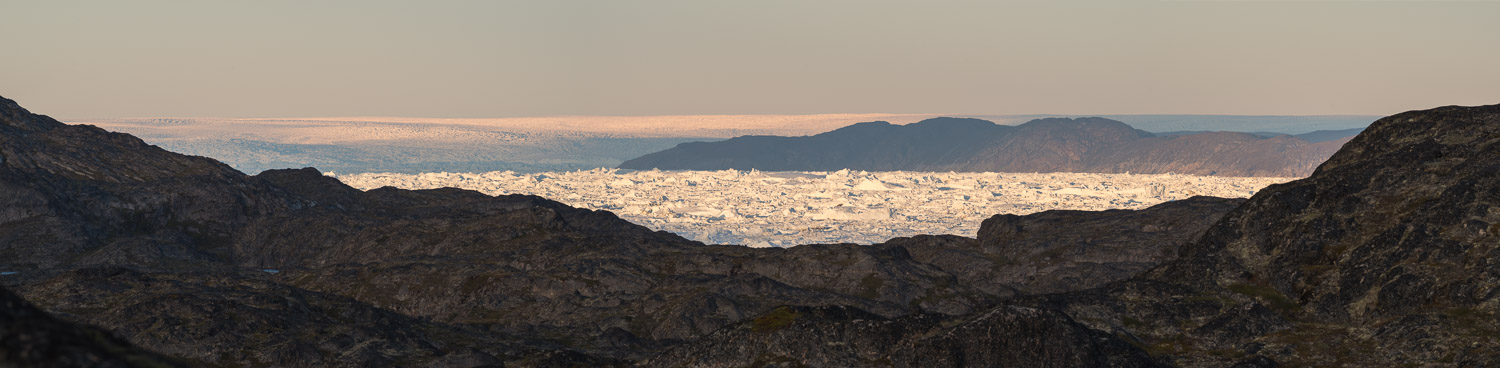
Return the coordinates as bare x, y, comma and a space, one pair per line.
1042, 145
1007, 336
869, 146
32, 338
188, 257
1329, 135
1385, 256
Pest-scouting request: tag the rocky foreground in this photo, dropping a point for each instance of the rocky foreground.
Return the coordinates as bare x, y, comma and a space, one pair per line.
1385, 256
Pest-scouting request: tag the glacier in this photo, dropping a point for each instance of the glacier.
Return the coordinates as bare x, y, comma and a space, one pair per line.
781, 209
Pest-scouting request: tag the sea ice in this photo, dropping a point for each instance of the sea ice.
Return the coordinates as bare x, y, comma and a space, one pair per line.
787, 208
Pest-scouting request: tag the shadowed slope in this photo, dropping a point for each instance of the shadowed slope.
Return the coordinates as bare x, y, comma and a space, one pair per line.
389, 276
1385, 256
31, 338
1042, 145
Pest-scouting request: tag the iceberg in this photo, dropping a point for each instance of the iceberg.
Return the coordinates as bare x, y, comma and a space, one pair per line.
789, 208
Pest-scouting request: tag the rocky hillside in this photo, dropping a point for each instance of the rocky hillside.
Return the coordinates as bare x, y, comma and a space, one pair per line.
1056, 251
1043, 145
185, 256
1382, 257
1005, 336
32, 338
1385, 256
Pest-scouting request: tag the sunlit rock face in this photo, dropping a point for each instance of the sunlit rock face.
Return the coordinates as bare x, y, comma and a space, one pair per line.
765, 209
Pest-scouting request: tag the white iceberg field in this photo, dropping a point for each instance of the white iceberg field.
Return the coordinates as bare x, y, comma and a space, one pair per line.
767, 209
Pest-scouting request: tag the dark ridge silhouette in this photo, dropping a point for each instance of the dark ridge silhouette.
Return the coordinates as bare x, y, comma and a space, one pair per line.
1041, 145
185, 256
1329, 135
32, 338
1384, 256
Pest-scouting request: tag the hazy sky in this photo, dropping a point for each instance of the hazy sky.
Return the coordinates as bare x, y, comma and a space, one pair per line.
97, 59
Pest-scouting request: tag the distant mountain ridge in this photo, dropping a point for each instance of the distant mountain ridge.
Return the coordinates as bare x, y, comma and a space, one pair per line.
561, 143
1042, 145
1312, 137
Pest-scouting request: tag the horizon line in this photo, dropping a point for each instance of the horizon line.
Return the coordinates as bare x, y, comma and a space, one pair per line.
959, 115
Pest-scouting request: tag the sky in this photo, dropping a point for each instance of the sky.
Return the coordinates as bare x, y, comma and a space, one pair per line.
115, 59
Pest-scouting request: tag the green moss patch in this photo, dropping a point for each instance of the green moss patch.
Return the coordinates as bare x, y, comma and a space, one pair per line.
869, 287
775, 320
1267, 294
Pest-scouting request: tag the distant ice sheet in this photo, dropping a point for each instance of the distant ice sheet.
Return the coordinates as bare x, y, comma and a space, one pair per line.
414, 145
789, 208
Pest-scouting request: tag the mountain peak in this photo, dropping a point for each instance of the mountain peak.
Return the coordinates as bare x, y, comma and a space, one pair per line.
1422, 186
879, 124
1084, 123
1436, 131
954, 122
13, 116
1088, 144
